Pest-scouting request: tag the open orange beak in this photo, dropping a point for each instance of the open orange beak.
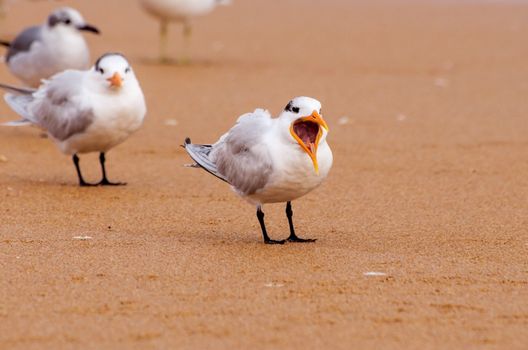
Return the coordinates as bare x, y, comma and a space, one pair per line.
115, 80
307, 131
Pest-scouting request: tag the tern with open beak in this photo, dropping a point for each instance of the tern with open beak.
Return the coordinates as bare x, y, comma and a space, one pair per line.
41, 51
85, 111
271, 160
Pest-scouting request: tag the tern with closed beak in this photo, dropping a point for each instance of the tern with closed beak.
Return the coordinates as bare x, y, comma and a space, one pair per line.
271, 160
85, 111
41, 51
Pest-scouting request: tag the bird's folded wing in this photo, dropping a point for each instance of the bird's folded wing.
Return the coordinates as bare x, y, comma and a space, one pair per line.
57, 106
242, 156
23, 41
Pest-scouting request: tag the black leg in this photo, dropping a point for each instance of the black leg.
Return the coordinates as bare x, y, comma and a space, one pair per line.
293, 237
267, 240
78, 168
104, 181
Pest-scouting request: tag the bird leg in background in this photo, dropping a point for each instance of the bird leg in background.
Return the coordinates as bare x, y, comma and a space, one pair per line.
293, 237
77, 167
2, 9
104, 181
164, 31
267, 240
187, 32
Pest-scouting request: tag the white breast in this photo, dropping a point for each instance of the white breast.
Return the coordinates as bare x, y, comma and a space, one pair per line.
293, 173
116, 118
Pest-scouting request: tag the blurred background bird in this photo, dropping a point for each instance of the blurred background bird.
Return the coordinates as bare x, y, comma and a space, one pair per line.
178, 11
39, 52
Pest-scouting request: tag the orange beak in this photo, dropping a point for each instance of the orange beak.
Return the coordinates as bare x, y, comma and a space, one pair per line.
311, 147
115, 80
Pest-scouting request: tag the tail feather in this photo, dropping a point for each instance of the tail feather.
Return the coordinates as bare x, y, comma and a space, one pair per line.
200, 154
20, 122
18, 90
18, 98
19, 103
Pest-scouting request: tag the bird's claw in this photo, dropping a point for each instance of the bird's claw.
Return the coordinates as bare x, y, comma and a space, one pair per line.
105, 182
301, 240
272, 241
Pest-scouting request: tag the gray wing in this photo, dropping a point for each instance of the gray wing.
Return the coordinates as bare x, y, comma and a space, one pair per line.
241, 156
23, 41
200, 154
56, 106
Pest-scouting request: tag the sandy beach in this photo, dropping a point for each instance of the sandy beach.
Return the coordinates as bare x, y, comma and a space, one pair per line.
422, 225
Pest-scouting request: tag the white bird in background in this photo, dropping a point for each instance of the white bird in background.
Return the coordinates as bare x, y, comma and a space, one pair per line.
85, 111
2, 9
178, 11
41, 51
271, 160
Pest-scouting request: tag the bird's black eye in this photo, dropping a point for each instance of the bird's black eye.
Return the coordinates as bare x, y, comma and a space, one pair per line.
67, 21
289, 108
127, 70
101, 70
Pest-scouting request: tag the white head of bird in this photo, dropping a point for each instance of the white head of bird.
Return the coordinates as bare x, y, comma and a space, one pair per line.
67, 19
113, 72
304, 125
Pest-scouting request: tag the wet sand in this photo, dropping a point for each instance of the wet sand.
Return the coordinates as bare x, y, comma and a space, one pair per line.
427, 108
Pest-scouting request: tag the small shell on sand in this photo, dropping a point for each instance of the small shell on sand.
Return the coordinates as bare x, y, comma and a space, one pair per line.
82, 238
401, 117
343, 120
171, 122
273, 285
374, 273
441, 82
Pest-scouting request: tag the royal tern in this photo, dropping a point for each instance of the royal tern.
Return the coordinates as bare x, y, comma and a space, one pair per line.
270, 160
178, 11
85, 111
41, 51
